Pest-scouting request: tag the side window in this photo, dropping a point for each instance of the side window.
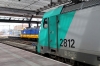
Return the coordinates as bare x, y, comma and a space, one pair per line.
45, 23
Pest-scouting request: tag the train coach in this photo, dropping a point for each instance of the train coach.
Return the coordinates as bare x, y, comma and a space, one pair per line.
72, 32
30, 33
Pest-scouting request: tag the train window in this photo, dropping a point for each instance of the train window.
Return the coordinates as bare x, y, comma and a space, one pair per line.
45, 24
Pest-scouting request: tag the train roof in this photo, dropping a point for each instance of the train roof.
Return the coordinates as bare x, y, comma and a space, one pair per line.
72, 7
53, 12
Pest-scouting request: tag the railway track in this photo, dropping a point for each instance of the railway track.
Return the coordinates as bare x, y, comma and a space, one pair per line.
19, 43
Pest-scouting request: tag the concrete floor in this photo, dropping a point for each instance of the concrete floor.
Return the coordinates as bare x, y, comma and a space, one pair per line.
11, 56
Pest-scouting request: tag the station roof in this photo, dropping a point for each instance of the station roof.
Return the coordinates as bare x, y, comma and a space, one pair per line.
27, 8
22, 7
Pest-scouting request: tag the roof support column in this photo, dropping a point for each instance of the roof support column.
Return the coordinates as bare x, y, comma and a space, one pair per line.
29, 23
37, 24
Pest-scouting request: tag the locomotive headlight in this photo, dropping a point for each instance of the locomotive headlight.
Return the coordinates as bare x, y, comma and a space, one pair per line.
72, 58
24, 32
83, 61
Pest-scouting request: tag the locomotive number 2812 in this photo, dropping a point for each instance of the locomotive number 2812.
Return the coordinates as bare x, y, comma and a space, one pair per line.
67, 43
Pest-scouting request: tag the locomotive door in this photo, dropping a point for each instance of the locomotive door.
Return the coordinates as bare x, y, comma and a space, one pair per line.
53, 33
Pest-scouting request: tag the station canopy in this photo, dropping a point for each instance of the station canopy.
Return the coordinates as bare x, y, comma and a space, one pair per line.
22, 7
26, 9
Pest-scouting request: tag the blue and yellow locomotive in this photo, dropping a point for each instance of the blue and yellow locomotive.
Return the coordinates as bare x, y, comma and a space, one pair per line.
30, 33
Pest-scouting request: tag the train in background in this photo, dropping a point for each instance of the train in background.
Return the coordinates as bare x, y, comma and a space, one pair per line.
30, 33
72, 33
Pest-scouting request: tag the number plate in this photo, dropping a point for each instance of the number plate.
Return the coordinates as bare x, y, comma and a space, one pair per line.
67, 43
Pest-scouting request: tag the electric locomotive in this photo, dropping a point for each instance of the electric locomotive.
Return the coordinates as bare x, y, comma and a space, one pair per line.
72, 32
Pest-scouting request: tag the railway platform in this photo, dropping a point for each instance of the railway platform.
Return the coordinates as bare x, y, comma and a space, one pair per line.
11, 56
